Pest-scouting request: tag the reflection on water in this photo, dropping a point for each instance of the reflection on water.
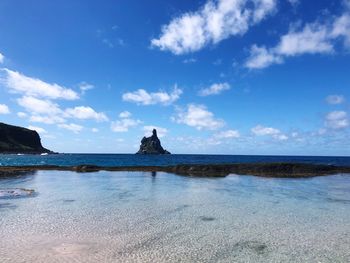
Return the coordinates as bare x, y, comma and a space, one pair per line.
159, 217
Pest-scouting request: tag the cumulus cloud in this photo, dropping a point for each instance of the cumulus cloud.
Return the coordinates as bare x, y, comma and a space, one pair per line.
37, 129
71, 127
212, 23
260, 57
39, 106
2, 58
260, 130
124, 123
335, 99
161, 132
199, 117
4, 109
48, 112
19, 83
95, 130
214, 89
313, 38
142, 97
227, 134
84, 113
337, 120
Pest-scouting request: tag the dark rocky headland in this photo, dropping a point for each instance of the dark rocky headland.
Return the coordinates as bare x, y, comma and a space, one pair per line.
14, 140
278, 170
151, 145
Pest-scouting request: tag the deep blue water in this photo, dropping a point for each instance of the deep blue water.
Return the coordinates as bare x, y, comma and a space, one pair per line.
161, 160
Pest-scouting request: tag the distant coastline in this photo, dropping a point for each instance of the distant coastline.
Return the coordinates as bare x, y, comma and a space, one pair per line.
277, 170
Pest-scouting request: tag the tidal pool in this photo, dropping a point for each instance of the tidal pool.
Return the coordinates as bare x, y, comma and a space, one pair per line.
159, 217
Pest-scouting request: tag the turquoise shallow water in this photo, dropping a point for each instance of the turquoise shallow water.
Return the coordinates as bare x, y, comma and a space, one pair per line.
144, 217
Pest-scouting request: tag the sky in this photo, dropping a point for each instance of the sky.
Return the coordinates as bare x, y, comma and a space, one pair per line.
258, 77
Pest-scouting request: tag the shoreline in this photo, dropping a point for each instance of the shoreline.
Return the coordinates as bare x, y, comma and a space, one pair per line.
274, 170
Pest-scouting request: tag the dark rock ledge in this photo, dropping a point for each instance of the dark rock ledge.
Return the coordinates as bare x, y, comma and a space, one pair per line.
281, 170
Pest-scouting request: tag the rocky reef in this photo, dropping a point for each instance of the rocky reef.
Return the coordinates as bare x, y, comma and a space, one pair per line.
279, 170
14, 139
151, 145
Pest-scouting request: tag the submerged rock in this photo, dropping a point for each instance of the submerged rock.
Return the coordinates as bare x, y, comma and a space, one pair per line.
151, 145
15, 193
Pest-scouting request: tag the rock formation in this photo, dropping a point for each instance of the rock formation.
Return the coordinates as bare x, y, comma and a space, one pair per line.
15, 139
151, 145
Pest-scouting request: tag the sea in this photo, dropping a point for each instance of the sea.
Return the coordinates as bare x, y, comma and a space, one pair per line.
162, 217
159, 160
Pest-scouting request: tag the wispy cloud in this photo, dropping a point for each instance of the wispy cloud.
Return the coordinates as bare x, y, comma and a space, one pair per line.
227, 134
212, 23
21, 84
143, 97
260, 130
84, 86
2, 58
335, 99
214, 89
313, 38
71, 127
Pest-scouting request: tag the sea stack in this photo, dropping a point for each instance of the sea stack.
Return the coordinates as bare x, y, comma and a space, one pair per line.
15, 139
151, 145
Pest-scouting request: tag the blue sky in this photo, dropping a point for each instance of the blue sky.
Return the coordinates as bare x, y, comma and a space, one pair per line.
222, 77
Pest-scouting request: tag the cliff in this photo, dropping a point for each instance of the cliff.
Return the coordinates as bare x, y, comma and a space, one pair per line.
151, 145
15, 139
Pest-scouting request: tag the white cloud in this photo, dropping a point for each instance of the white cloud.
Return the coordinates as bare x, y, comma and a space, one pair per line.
212, 23
335, 99
337, 120
4, 109
341, 28
214, 89
227, 134
51, 119
39, 106
260, 130
2, 58
124, 114
313, 38
71, 127
84, 86
19, 83
142, 97
161, 132
95, 130
22, 114
123, 125
84, 113
199, 117
37, 129
260, 57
